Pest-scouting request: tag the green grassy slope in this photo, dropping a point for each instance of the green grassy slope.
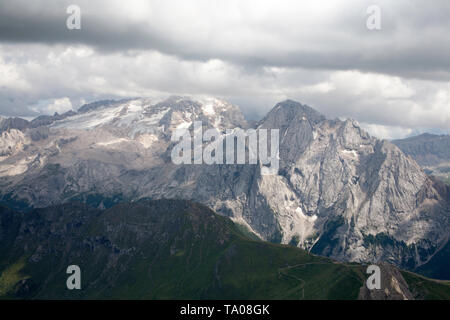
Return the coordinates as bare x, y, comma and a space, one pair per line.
439, 265
160, 250
425, 288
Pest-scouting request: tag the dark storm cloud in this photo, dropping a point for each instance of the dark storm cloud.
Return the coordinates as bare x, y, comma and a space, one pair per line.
413, 41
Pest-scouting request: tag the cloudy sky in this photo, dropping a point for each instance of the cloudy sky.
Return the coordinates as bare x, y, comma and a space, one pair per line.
395, 81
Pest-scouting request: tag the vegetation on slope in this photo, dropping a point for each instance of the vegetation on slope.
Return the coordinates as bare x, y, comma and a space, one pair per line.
161, 249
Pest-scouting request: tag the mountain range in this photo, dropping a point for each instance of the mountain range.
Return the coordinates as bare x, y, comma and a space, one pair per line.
338, 192
431, 151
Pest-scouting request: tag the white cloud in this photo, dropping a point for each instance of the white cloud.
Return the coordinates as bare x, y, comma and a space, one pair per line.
10, 76
322, 87
386, 132
389, 87
60, 106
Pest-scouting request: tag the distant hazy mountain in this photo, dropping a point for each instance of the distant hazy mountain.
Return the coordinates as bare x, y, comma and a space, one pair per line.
339, 192
13, 123
430, 151
171, 249
427, 149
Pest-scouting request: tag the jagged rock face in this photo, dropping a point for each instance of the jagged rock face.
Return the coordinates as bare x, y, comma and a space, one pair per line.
12, 142
344, 194
339, 192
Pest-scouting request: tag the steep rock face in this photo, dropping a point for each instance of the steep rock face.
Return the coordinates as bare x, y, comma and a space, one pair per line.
351, 196
12, 142
338, 192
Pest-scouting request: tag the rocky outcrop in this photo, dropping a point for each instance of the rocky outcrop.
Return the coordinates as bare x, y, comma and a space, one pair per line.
7, 124
392, 287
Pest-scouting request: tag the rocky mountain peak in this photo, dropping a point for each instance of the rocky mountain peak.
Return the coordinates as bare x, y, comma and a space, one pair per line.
13, 123
99, 104
153, 115
287, 112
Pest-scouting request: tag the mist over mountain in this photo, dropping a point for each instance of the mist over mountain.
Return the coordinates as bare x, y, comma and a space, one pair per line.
431, 151
339, 192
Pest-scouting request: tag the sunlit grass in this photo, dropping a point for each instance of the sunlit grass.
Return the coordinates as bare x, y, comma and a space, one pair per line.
11, 276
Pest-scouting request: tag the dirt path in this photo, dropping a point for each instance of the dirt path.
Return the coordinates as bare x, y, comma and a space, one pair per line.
282, 272
302, 282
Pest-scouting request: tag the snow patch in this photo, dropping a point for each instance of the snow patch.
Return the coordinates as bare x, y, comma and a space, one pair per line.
184, 125
208, 109
147, 140
110, 142
351, 153
305, 217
